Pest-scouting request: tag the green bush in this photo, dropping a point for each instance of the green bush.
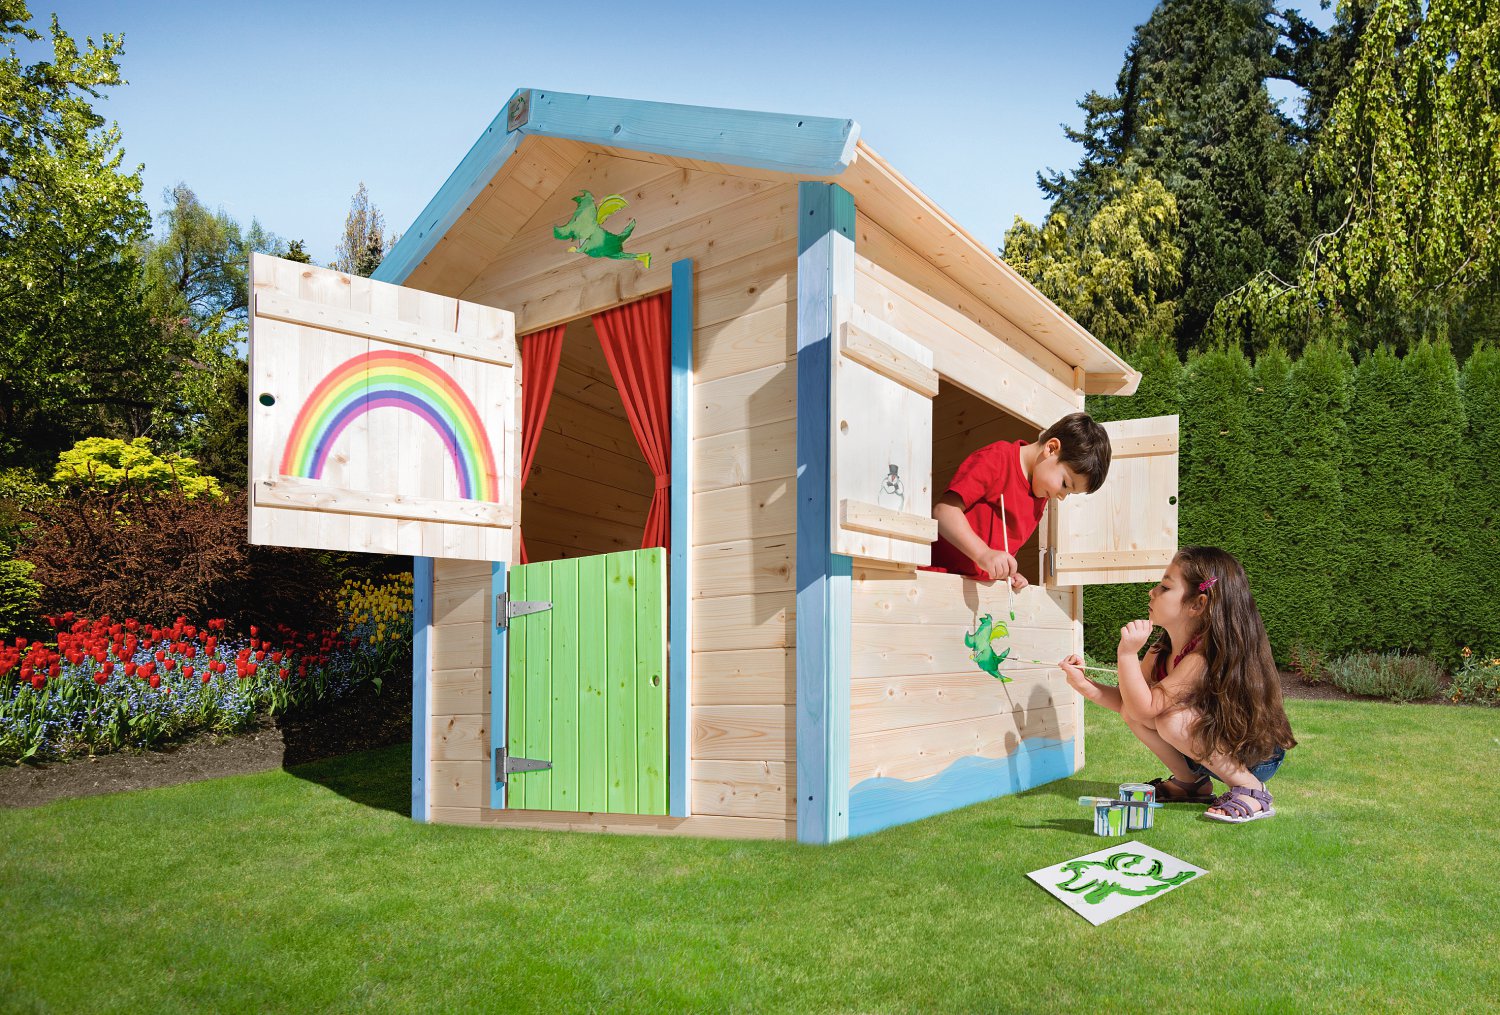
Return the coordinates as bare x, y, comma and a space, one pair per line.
104, 463
20, 596
1476, 680
1387, 675
1476, 507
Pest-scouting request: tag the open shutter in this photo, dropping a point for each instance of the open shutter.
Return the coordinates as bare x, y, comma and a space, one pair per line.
1127, 530
382, 419
883, 386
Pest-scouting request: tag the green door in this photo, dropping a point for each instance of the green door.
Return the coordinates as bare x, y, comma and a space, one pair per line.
587, 684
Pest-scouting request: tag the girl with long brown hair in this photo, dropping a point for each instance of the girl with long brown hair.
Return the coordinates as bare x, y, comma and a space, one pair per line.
1207, 697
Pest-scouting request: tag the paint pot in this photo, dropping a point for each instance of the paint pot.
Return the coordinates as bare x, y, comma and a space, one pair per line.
1109, 818
1140, 792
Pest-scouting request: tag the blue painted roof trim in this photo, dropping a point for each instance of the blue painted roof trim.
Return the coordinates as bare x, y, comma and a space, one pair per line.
802, 145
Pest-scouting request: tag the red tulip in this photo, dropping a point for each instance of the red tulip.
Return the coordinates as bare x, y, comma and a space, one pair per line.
37, 681
154, 680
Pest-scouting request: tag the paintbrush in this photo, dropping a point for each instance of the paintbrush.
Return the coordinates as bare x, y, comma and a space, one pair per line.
1005, 541
1094, 801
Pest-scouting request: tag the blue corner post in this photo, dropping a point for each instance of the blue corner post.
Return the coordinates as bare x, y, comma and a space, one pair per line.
421, 714
825, 277
680, 635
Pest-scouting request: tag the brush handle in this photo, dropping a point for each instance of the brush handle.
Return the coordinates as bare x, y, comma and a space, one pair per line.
1097, 669
1096, 800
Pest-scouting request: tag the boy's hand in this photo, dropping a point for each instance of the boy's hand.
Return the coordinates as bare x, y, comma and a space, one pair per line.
1072, 668
1133, 635
998, 564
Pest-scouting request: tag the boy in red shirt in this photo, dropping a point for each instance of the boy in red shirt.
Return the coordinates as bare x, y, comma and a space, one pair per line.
1070, 456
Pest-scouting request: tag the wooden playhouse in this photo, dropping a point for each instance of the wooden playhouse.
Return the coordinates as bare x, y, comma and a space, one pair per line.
750, 346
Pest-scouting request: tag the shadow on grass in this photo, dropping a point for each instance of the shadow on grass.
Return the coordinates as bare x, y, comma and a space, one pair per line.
379, 778
1077, 826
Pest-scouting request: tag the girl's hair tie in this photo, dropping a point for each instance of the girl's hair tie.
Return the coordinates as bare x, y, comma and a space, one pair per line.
1208, 583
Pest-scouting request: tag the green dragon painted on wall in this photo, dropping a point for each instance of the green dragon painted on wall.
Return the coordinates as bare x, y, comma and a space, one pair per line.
982, 647
586, 229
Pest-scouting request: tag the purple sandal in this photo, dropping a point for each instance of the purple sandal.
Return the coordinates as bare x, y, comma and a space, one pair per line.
1237, 811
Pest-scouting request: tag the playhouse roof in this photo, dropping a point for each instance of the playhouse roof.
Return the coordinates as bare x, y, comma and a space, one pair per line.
542, 135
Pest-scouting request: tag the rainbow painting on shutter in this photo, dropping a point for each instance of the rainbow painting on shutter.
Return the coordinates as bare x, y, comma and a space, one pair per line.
400, 380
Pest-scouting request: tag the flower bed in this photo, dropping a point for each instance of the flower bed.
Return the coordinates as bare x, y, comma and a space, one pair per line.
102, 685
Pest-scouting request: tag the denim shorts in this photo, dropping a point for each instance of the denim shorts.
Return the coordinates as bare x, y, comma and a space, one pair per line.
1262, 771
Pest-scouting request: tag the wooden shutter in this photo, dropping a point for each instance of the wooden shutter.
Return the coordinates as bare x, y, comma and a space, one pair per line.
382, 419
883, 386
1127, 530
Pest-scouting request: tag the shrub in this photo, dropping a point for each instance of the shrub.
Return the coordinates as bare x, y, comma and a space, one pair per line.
104, 463
19, 596
161, 555
1386, 675
1310, 664
103, 685
1476, 680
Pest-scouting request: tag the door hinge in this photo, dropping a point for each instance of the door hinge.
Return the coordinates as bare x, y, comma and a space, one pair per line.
1049, 565
505, 765
506, 609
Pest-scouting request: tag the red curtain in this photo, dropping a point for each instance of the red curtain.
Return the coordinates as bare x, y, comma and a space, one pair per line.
540, 352
637, 342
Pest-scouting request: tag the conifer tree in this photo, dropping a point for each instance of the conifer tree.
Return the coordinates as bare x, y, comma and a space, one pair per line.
1380, 479
1272, 471
1217, 458
1310, 519
1476, 508
1435, 431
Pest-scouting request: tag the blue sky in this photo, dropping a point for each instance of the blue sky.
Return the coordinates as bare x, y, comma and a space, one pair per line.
279, 110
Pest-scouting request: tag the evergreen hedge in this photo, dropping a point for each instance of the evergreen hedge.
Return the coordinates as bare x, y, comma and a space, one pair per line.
1363, 499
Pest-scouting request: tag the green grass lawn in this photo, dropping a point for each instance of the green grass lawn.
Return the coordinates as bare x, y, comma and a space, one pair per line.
1375, 888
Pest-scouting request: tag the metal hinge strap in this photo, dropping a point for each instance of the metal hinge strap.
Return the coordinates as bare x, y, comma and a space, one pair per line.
505, 765
506, 609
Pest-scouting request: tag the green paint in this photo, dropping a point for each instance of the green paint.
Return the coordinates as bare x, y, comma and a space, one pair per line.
619, 568
515, 692
651, 679
1097, 880
593, 709
982, 649
588, 689
537, 664
586, 229
564, 660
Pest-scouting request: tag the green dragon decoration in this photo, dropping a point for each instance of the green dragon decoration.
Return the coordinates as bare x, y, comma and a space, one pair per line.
1097, 880
981, 644
586, 229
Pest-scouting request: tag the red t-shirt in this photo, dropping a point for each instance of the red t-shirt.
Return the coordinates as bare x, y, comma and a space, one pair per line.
980, 480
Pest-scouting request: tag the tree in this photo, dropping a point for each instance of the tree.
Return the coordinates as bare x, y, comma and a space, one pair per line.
76, 352
1191, 109
1114, 271
1310, 521
1413, 140
364, 242
1476, 511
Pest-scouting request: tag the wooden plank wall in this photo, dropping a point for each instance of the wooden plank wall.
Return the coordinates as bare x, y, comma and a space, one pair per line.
919, 703
741, 233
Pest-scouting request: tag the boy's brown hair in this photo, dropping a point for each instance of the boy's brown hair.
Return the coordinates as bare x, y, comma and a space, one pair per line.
1084, 446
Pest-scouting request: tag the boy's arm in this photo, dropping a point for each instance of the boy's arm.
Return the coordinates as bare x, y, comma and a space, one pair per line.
955, 528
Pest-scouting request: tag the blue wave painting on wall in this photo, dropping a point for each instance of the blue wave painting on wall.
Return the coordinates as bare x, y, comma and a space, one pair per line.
881, 802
